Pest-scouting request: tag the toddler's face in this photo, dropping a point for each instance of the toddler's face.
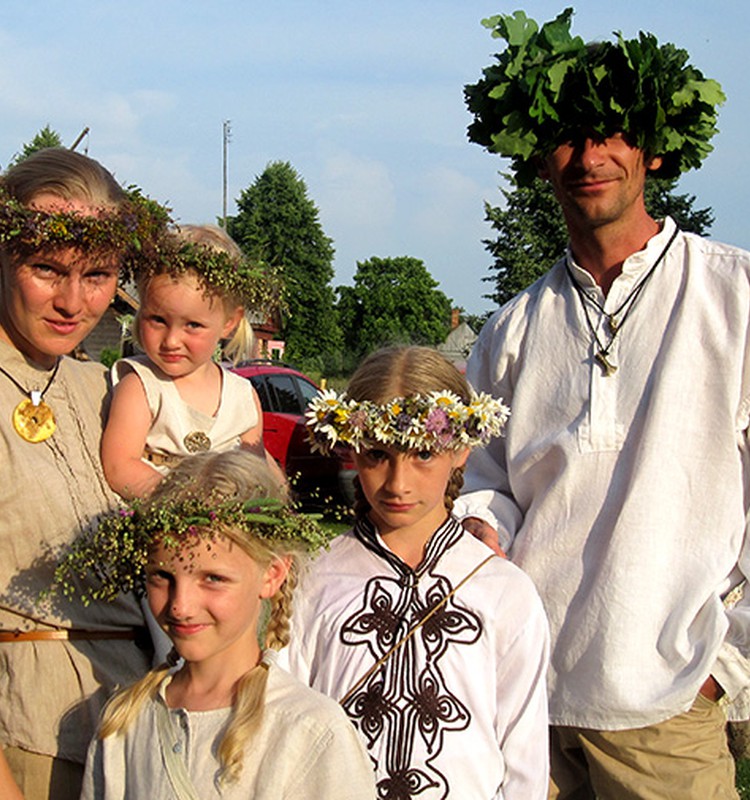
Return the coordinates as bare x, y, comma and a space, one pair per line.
180, 326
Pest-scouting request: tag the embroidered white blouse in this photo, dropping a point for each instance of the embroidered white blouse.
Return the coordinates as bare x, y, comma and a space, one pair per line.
460, 709
624, 497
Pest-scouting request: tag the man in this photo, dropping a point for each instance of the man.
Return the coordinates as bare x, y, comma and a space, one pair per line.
622, 483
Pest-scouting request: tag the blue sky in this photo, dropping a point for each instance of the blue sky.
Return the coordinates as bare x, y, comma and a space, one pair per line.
363, 99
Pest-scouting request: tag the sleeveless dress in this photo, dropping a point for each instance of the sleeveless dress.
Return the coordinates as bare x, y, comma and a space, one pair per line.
178, 429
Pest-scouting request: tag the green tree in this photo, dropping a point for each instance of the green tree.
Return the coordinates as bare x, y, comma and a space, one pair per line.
45, 138
278, 223
393, 300
531, 233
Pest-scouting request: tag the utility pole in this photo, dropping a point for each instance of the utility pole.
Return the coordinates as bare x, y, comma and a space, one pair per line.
83, 133
227, 139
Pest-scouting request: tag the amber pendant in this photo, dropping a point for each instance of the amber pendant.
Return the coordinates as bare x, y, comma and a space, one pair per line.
33, 422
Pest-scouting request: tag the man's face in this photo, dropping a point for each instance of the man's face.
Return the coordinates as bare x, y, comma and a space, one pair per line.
598, 181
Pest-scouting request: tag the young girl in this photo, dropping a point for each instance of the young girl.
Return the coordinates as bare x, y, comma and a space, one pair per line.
436, 647
218, 542
176, 399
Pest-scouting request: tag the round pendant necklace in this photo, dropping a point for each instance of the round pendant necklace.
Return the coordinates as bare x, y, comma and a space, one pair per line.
33, 419
614, 320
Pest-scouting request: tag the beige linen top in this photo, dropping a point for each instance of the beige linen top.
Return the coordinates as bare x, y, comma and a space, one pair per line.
52, 691
305, 749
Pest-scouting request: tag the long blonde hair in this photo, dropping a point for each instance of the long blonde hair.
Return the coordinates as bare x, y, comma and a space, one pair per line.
403, 371
216, 477
240, 344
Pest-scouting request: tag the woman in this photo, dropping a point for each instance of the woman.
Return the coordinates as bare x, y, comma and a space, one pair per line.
66, 229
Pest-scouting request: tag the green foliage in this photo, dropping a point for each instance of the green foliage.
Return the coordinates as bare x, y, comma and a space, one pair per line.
45, 138
548, 86
531, 232
393, 301
476, 321
278, 224
108, 356
743, 778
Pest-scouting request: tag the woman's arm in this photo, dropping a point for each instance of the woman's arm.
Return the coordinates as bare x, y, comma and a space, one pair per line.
8, 787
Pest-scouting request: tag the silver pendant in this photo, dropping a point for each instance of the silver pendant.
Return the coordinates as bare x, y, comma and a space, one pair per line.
608, 367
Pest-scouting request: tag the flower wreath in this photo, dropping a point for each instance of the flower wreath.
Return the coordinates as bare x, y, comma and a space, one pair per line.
433, 421
115, 551
547, 86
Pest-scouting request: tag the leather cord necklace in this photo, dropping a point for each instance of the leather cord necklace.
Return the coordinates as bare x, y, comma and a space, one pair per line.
33, 419
614, 320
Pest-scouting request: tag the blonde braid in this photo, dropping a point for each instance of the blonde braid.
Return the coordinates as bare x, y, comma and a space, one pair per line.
453, 489
277, 632
124, 707
245, 721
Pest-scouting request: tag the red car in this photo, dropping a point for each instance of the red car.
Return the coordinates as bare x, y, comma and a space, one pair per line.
284, 393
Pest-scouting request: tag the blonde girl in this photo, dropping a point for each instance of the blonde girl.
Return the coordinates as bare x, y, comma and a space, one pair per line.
218, 543
435, 646
176, 400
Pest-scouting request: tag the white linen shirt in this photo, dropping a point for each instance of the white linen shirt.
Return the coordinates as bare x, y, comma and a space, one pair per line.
624, 497
460, 710
305, 748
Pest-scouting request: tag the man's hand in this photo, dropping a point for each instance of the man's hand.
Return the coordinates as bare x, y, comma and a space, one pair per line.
484, 532
711, 689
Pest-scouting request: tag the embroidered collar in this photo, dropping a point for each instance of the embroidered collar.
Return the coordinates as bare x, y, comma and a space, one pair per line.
441, 541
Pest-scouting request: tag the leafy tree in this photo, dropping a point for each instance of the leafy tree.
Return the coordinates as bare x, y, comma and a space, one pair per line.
278, 223
45, 138
531, 233
393, 300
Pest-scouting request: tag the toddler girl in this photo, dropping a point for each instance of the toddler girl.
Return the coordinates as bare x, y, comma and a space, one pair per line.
436, 647
176, 400
218, 543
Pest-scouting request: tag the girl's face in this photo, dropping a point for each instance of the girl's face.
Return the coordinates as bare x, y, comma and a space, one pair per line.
207, 598
51, 301
180, 326
406, 490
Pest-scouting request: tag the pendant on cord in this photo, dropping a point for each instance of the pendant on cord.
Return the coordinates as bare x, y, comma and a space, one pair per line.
608, 367
33, 419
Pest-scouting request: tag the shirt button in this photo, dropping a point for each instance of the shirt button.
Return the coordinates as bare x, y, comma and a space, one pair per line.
177, 747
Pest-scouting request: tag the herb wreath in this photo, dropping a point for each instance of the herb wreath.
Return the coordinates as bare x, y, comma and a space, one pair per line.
256, 286
548, 86
115, 552
135, 231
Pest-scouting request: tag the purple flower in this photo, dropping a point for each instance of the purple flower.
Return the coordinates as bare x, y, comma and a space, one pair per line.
403, 421
437, 421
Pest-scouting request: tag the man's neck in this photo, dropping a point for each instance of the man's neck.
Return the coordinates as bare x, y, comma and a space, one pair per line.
603, 250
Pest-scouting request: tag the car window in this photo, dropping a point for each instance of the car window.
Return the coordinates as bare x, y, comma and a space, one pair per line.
259, 384
308, 390
285, 398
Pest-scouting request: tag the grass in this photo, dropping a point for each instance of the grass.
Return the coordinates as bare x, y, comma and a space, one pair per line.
743, 778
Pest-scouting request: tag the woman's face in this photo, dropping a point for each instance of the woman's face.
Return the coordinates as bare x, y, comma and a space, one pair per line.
52, 300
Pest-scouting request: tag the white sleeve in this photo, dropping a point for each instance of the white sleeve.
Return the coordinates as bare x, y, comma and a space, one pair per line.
487, 493
522, 717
